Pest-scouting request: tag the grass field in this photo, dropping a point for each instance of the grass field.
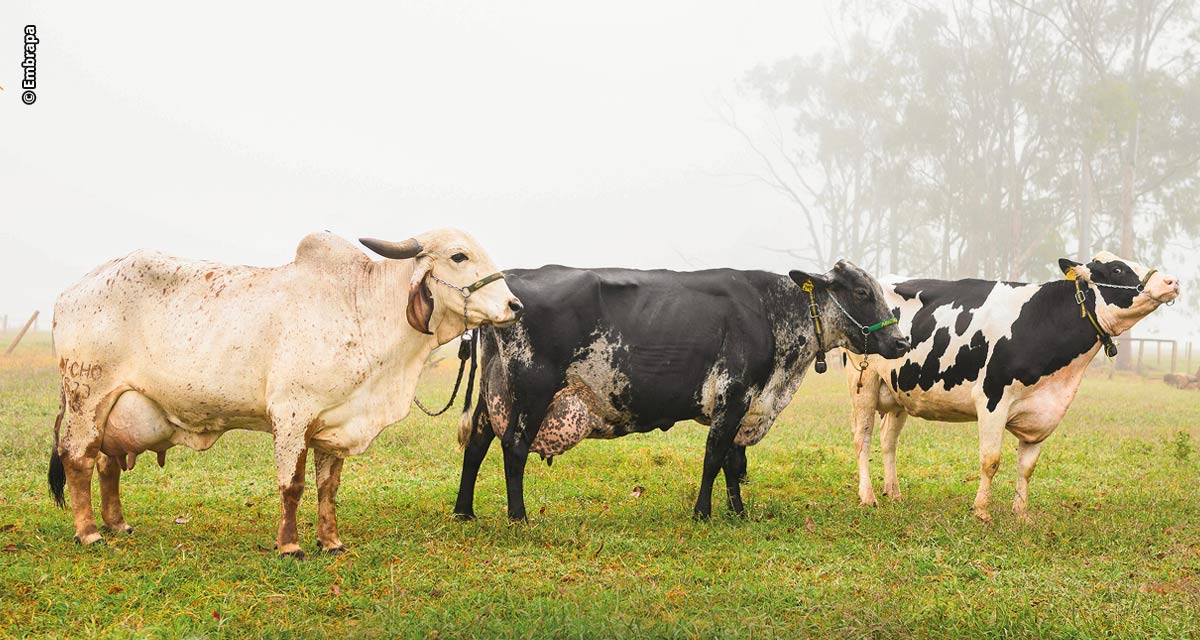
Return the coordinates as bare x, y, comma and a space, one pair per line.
1113, 549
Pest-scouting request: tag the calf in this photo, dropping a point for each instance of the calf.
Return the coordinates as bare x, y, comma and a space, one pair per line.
1009, 355
607, 352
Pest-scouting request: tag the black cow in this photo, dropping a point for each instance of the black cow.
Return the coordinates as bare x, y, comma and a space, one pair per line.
1009, 355
602, 353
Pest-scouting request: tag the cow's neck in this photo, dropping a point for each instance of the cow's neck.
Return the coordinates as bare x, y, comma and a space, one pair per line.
790, 322
1067, 330
386, 339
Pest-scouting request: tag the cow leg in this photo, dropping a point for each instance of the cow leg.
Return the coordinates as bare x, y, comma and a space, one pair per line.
893, 423
329, 477
522, 429
473, 455
1027, 457
726, 421
515, 456
290, 456
991, 432
735, 472
110, 495
78, 449
78, 467
862, 423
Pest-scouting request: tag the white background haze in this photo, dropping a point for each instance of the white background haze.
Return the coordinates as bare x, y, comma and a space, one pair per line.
576, 133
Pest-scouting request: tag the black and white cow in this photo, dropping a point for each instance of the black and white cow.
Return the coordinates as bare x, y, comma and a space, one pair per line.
602, 353
1009, 355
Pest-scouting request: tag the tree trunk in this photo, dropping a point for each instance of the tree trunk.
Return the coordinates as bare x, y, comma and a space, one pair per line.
1086, 191
1130, 157
894, 242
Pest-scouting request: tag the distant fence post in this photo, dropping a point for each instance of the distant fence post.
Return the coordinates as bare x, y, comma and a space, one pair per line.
21, 334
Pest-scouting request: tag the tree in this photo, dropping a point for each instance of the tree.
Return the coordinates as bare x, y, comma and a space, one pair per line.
984, 137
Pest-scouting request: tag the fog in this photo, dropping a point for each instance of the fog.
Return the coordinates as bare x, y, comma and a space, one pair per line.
591, 134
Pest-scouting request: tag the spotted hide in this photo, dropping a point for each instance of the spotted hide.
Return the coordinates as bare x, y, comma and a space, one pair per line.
604, 353
157, 351
1008, 355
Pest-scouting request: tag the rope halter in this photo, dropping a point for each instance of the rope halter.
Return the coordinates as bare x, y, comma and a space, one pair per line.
1110, 347
467, 349
814, 313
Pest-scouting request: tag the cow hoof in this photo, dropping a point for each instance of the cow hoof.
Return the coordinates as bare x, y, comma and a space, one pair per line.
521, 519
333, 551
90, 539
868, 502
701, 516
983, 515
121, 528
464, 517
298, 554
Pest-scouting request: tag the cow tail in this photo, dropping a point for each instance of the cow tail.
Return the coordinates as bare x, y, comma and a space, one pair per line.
57, 476
464, 421
464, 429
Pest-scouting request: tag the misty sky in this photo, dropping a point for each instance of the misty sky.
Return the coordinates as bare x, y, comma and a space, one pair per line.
577, 133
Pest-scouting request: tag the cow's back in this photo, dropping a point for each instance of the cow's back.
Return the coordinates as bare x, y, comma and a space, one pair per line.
644, 342
972, 339
201, 338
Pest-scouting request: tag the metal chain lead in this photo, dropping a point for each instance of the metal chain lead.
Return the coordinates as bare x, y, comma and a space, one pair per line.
861, 327
1139, 287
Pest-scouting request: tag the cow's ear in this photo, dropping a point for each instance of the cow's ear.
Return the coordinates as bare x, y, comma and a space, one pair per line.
1070, 267
800, 277
420, 301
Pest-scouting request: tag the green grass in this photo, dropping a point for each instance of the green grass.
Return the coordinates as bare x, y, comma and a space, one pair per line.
1112, 550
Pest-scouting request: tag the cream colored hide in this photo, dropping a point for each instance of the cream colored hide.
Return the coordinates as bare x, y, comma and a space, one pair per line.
1030, 412
321, 353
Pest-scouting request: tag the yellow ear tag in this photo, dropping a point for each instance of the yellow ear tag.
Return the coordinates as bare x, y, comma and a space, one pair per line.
1071, 274
807, 286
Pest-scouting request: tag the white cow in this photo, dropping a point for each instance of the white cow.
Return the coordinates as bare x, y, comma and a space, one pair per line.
321, 353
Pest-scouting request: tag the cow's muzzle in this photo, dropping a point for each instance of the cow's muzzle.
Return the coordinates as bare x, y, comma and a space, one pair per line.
897, 348
512, 313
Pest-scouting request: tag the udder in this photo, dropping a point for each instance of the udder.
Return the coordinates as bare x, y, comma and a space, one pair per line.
136, 424
574, 414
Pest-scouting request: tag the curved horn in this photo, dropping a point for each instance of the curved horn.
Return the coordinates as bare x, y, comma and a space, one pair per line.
394, 250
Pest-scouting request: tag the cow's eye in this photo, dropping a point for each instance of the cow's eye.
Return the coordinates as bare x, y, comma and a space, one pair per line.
1117, 271
862, 293
459, 257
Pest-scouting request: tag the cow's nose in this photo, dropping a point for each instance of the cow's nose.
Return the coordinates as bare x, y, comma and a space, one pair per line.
902, 345
517, 307
1170, 282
